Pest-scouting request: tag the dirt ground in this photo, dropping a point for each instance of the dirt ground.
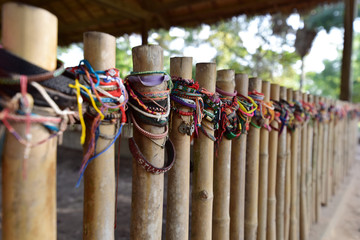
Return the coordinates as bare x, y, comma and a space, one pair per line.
346, 224
344, 207
340, 219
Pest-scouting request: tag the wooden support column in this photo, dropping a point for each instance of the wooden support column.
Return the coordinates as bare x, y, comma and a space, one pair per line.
263, 170
350, 12
280, 175
289, 97
177, 214
294, 218
273, 160
99, 177
238, 165
221, 211
147, 188
202, 188
252, 173
303, 172
29, 201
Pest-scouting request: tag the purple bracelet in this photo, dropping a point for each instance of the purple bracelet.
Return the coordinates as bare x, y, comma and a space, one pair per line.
222, 92
178, 100
149, 80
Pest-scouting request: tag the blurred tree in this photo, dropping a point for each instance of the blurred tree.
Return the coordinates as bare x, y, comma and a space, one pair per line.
327, 83
123, 55
269, 61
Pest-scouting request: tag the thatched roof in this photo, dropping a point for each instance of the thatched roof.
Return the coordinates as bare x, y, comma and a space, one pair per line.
118, 17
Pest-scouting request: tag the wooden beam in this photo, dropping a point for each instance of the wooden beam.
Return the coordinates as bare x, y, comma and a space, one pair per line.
129, 8
172, 5
95, 22
346, 81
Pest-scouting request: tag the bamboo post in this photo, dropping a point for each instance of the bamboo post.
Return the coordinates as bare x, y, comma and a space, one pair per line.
337, 144
341, 145
299, 172
99, 177
29, 203
252, 173
202, 188
336, 149
303, 172
314, 164
332, 152
346, 144
319, 163
221, 210
280, 175
287, 204
147, 188
177, 211
325, 160
263, 170
273, 160
238, 165
294, 223
309, 175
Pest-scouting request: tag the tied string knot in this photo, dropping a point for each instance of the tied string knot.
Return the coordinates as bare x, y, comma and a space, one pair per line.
323, 113
247, 108
299, 112
229, 125
340, 113
289, 119
281, 115
310, 110
150, 107
185, 92
20, 109
105, 95
264, 112
331, 112
212, 105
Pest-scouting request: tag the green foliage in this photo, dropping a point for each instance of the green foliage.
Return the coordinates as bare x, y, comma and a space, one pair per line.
327, 82
123, 55
325, 17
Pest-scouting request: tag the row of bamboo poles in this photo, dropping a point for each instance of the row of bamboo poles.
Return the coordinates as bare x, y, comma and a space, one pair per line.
262, 185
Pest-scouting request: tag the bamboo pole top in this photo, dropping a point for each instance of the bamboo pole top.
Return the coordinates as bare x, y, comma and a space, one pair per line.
99, 50
296, 95
255, 84
206, 75
242, 83
283, 93
305, 97
147, 58
225, 80
310, 98
290, 94
30, 33
181, 67
266, 90
275, 91
316, 100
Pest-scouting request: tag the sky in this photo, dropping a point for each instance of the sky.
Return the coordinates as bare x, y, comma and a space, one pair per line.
328, 43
